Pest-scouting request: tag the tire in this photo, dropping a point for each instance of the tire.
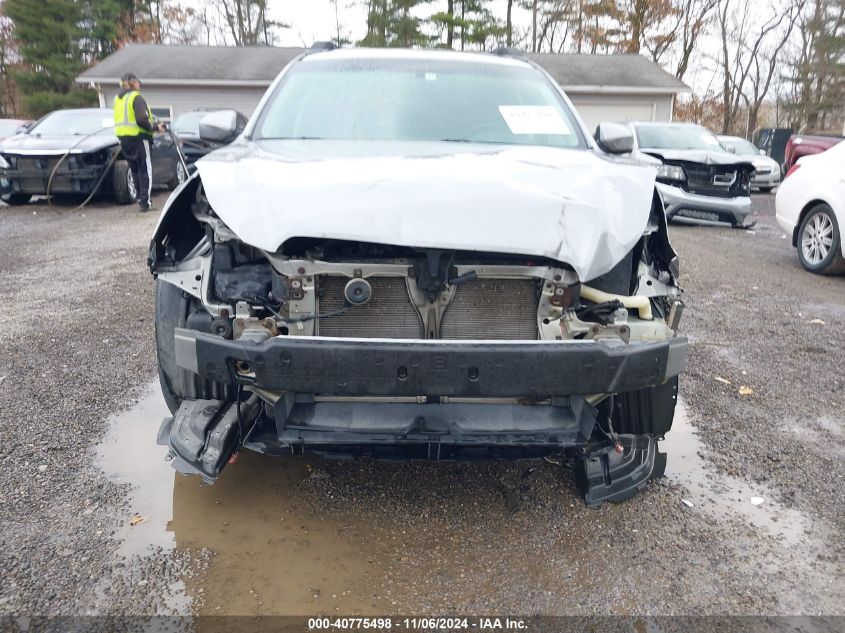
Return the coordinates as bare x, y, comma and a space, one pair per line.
820, 242
15, 199
172, 309
766, 189
123, 183
179, 176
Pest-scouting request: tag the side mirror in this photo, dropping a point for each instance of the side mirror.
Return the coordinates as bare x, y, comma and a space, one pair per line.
615, 138
730, 149
763, 152
220, 126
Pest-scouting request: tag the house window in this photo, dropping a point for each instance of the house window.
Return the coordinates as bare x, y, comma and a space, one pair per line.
162, 113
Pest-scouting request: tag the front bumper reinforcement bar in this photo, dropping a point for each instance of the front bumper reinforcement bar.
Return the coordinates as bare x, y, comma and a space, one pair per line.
382, 367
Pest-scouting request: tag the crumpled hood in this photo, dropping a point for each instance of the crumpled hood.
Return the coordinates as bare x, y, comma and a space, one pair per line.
33, 144
573, 206
705, 157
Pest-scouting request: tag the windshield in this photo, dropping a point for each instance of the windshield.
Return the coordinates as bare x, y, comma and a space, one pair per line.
676, 137
75, 123
418, 100
9, 128
188, 122
741, 146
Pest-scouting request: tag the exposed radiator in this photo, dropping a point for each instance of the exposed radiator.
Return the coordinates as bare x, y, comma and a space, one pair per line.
389, 314
480, 309
492, 309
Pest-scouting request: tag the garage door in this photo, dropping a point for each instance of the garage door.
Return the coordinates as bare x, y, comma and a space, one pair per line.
621, 112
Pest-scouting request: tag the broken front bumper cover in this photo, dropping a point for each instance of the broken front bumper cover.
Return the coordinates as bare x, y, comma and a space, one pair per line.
691, 208
772, 179
388, 367
376, 407
78, 180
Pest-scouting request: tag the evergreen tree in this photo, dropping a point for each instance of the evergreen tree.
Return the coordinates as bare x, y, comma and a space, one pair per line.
377, 19
49, 36
819, 73
101, 22
393, 23
470, 21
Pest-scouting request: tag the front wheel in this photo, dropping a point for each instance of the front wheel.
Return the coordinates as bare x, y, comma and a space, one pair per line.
179, 176
820, 242
123, 183
15, 199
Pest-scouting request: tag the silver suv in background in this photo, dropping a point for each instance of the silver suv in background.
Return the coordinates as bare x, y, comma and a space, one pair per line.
766, 169
700, 182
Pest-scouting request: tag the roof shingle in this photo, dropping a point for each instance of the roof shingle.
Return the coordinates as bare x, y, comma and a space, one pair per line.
220, 64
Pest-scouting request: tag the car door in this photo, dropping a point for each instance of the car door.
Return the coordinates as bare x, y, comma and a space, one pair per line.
163, 156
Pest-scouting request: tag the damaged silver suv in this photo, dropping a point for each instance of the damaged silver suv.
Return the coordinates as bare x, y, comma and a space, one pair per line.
419, 254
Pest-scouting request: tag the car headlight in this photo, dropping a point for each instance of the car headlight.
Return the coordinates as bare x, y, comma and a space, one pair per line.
4, 164
671, 172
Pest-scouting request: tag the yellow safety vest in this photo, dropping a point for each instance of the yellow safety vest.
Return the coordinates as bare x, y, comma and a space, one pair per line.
125, 123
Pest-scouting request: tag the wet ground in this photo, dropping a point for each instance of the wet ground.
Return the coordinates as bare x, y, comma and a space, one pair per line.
748, 520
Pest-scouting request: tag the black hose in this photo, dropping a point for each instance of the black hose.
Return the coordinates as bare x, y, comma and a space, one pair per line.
64, 158
178, 145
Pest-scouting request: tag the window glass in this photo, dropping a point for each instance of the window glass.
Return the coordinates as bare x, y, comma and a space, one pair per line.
418, 101
75, 123
676, 137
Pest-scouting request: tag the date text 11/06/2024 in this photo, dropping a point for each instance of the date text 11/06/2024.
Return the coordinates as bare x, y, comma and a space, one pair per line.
418, 624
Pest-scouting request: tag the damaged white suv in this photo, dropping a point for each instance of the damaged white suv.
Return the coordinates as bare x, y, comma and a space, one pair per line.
419, 254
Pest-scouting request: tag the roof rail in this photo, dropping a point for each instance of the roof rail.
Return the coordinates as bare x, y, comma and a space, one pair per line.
508, 51
323, 46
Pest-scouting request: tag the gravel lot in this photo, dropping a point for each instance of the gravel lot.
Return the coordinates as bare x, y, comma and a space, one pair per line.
307, 536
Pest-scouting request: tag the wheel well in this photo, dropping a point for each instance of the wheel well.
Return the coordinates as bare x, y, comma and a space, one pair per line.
807, 208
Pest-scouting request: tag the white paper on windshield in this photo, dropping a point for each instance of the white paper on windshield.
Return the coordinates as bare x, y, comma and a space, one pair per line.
710, 140
534, 120
107, 123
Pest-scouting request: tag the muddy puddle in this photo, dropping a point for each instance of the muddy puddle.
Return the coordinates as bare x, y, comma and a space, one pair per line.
722, 495
271, 553
129, 454
275, 551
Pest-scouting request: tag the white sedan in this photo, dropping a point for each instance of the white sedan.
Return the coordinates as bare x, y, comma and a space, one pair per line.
810, 206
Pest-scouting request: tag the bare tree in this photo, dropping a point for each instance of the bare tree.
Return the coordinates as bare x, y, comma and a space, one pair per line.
182, 25
508, 23
745, 38
642, 24
341, 34
765, 64
246, 21
693, 17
